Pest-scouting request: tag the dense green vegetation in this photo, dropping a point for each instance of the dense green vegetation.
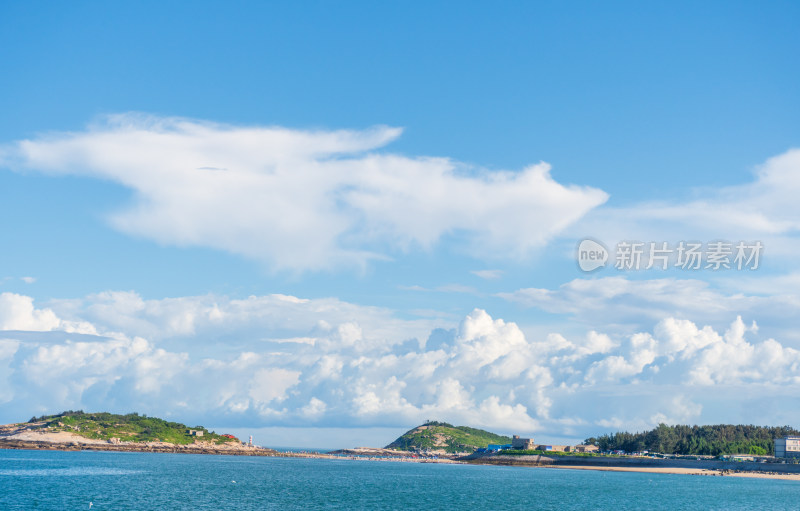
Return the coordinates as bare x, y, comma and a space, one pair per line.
441, 435
709, 440
128, 428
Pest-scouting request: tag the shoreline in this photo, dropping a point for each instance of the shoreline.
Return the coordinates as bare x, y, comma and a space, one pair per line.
684, 471
788, 472
37, 445
83, 444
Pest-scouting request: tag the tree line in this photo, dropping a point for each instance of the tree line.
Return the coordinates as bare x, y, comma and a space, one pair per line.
707, 440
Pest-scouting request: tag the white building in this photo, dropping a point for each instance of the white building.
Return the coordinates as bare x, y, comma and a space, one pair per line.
787, 447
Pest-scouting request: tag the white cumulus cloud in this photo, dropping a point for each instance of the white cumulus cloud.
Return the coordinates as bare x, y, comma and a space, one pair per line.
17, 312
626, 305
363, 371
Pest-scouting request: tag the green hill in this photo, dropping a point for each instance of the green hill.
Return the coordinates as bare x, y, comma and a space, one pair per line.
131, 427
440, 435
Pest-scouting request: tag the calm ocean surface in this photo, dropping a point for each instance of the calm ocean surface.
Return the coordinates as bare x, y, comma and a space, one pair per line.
71, 480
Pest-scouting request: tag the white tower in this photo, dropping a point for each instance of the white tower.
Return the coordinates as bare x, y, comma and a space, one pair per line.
251, 440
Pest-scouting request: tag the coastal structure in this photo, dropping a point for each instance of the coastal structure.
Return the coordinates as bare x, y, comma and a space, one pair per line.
194, 432
522, 443
787, 447
527, 444
585, 448
555, 448
498, 447
746, 457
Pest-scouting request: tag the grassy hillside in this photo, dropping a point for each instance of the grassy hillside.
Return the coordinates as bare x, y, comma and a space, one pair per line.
440, 435
128, 428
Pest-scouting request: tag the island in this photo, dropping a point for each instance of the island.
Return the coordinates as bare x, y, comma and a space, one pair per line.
443, 438
77, 430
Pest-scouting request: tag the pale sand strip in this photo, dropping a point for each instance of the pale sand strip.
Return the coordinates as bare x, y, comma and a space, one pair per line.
683, 471
54, 437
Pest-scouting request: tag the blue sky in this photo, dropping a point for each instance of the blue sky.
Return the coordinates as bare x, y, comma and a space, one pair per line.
355, 217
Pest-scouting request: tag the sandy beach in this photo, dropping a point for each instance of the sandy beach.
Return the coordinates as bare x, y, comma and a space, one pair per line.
685, 471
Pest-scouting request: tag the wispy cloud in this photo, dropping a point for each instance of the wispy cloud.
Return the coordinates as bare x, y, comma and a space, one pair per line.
444, 288
488, 274
765, 209
303, 200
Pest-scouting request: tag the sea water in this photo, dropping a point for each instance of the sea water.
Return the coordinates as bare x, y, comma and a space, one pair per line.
54, 480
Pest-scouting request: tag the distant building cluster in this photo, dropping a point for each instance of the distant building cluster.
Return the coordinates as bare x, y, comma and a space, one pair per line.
787, 447
528, 444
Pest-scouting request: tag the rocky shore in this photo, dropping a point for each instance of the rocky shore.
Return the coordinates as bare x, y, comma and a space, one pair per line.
24, 436
6, 443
